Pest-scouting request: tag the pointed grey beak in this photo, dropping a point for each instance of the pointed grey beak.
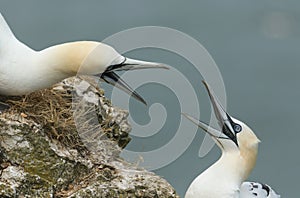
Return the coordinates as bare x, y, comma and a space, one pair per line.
131, 64
112, 78
115, 80
229, 128
211, 131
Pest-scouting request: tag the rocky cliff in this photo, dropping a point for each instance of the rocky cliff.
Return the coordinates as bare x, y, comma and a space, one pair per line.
65, 142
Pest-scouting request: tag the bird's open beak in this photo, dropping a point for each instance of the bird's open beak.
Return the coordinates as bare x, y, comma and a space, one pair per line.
228, 127
214, 133
109, 75
131, 64
115, 80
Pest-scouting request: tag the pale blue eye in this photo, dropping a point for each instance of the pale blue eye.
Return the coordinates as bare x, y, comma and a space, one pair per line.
237, 128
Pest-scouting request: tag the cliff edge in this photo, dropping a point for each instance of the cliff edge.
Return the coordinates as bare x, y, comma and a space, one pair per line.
65, 142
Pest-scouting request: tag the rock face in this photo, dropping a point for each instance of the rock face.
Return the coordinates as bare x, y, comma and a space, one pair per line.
65, 142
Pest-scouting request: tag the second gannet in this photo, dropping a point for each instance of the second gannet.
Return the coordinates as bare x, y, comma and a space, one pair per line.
239, 145
24, 70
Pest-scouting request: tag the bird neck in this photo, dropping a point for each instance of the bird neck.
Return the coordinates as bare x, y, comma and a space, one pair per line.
70, 58
236, 165
9, 44
6, 35
37, 70
229, 170
224, 177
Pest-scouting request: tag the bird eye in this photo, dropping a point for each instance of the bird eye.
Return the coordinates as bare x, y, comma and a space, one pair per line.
237, 128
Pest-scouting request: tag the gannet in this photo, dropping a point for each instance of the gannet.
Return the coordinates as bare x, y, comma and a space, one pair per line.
24, 70
239, 145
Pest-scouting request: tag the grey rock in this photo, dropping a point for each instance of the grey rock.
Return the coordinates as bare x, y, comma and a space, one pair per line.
65, 142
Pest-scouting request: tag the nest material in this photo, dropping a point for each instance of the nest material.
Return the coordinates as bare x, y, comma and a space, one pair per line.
44, 136
63, 118
52, 109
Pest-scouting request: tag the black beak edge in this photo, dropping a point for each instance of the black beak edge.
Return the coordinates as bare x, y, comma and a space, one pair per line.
112, 78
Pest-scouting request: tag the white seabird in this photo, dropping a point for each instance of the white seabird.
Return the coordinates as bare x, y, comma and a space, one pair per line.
24, 70
239, 145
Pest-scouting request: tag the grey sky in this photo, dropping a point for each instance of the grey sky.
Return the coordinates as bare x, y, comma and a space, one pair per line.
255, 44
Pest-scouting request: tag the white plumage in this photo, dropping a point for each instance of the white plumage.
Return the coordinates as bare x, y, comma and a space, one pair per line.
24, 70
257, 190
239, 145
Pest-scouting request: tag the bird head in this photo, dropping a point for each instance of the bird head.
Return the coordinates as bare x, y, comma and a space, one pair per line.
233, 135
236, 140
98, 59
112, 61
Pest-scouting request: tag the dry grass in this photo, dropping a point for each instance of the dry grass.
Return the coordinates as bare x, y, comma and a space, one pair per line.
73, 121
53, 110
